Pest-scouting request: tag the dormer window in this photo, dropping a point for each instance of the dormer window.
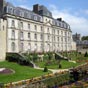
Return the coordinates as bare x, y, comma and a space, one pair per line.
10, 10
35, 17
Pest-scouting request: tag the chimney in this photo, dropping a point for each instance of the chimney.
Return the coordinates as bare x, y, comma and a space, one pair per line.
36, 8
59, 19
2, 4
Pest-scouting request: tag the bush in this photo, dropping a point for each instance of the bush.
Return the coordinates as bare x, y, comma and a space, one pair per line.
35, 57
45, 57
50, 54
60, 66
86, 54
45, 69
30, 57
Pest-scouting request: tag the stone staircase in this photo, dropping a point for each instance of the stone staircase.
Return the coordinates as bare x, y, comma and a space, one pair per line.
26, 59
61, 56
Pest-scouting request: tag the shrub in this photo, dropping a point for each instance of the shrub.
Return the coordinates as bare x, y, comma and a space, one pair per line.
30, 57
86, 54
45, 69
60, 66
45, 57
50, 54
35, 57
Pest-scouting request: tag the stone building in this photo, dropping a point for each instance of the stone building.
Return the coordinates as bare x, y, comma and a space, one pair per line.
22, 30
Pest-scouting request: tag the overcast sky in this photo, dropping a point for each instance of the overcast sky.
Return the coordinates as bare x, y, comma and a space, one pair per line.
75, 12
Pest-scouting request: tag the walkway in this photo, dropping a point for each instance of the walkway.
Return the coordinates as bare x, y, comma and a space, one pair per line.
53, 70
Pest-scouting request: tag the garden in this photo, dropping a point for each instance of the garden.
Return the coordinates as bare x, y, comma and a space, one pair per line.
52, 61
18, 70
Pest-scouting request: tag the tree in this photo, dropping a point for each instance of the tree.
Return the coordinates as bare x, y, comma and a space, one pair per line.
85, 38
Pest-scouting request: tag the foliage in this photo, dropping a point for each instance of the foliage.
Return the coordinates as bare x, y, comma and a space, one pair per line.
35, 57
85, 38
57, 57
45, 57
86, 54
57, 80
60, 66
30, 57
50, 55
20, 59
45, 69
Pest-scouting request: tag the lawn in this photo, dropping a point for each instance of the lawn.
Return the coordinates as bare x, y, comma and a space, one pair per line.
65, 64
21, 72
75, 56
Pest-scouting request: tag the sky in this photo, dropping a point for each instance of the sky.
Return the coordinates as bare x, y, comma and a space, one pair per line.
74, 12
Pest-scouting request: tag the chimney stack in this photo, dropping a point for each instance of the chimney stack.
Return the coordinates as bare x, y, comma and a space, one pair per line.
36, 8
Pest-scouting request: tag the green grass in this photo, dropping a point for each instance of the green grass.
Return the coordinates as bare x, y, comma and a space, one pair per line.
65, 64
75, 56
21, 72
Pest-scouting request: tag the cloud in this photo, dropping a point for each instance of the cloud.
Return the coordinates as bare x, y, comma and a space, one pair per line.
86, 11
78, 24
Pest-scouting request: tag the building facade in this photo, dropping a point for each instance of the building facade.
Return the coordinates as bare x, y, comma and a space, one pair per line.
35, 30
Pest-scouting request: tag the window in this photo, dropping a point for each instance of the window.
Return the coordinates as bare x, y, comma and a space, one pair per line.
21, 35
13, 34
35, 36
48, 37
25, 14
13, 46
41, 47
59, 24
58, 38
29, 46
65, 33
13, 23
10, 10
41, 28
61, 39
28, 35
48, 30
61, 32
54, 31
28, 26
65, 39
41, 36
3, 28
35, 27
35, 48
58, 31
35, 17
22, 46
21, 25
54, 38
